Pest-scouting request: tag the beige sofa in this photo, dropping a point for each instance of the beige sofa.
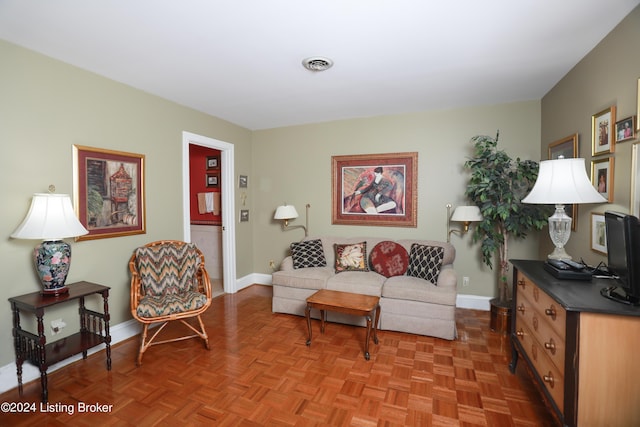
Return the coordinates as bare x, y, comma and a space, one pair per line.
408, 304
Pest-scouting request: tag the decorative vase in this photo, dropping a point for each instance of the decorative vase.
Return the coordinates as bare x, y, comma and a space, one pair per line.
52, 260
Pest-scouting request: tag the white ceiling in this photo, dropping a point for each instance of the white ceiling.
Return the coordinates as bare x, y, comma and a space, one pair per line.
240, 60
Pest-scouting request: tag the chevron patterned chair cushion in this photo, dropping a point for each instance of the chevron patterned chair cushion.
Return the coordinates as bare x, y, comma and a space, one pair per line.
168, 278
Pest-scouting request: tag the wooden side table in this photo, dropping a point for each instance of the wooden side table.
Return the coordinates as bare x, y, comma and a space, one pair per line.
94, 330
349, 303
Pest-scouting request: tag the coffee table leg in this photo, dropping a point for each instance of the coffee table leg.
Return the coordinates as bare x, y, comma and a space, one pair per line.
323, 317
366, 342
375, 325
308, 315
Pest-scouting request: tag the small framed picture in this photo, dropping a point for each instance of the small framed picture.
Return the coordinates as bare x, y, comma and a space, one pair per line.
602, 177
626, 129
243, 181
566, 147
598, 233
244, 215
635, 179
603, 131
213, 180
213, 162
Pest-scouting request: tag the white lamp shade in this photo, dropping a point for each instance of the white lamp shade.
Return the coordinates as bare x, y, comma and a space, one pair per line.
563, 181
286, 212
467, 214
50, 217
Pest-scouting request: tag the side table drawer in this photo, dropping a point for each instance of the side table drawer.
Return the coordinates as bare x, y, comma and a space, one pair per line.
551, 376
544, 304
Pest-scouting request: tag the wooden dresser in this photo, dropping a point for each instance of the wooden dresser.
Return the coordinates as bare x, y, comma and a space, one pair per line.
583, 349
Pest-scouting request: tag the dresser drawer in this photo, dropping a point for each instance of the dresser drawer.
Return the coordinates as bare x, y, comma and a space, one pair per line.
541, 327
544, 304
552, 377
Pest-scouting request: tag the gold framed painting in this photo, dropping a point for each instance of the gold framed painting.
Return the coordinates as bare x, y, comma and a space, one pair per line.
603, 131
375, 189
109, 192
598, 233
602, 177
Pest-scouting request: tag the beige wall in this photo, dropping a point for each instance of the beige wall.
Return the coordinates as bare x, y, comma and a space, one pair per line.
47, 106
293, 165
607, 76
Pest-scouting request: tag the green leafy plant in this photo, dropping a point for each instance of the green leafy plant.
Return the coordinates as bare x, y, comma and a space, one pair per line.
497, 185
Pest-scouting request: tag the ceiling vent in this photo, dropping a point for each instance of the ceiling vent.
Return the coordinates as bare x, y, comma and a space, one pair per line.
317, 63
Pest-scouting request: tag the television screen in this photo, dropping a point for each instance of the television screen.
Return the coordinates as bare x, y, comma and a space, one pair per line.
623, 256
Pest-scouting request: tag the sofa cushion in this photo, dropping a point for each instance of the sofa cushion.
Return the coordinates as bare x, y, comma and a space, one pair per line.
425, 262
351, 257
389, 259
308, 254
357, 282
414, 289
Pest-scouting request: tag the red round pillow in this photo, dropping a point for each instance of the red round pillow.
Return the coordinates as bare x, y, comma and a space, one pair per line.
389, 259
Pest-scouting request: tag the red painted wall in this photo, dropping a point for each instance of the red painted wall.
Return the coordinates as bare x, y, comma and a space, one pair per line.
198, 173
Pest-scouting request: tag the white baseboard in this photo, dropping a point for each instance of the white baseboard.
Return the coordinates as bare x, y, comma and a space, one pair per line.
473, 302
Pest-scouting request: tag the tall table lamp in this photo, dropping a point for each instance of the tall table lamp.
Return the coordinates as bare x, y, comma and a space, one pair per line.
51, 218
562, 181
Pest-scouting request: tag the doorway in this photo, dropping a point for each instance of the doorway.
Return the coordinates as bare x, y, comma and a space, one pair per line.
227, 199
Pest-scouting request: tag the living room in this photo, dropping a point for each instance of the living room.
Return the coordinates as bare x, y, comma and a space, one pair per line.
51, 105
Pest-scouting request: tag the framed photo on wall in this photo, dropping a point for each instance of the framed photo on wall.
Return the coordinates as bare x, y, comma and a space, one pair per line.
213, 162
108, 192
602, 177
598, 233
626, 129
213, 180
375, 189
603, 131
568, 148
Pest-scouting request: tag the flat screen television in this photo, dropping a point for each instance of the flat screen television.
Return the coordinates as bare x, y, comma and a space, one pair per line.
623, 256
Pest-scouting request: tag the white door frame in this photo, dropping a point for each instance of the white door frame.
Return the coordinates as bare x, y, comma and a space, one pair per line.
227, 199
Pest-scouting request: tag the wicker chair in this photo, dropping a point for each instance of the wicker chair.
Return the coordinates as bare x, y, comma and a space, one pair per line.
169, 282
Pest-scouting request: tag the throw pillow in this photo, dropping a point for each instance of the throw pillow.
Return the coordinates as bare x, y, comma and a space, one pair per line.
351, 257
389, 259
425, 262
308, 254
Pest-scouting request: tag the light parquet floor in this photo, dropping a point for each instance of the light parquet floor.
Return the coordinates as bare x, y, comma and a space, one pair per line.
259, 372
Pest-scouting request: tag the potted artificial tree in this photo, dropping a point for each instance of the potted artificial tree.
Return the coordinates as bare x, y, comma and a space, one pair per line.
497, 185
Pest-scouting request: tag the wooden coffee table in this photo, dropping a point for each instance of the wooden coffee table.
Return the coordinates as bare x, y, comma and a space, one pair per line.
345, 302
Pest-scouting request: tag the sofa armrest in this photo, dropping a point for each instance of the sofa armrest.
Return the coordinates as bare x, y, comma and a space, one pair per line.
286, 264
447, 278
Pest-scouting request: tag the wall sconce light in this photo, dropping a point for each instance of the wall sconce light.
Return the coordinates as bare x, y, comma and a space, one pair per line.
464, 214
51, 218
287, 212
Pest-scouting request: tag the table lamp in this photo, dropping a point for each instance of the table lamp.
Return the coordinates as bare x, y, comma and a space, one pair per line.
562, 181
51, 218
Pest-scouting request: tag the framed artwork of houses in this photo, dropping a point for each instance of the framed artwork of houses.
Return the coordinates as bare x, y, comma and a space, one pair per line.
375, 189
568, 148
108, 192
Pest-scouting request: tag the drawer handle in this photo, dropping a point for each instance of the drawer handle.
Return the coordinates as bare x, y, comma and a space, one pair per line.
551, 346
520, 333
551, 312
522, 283
548, 379
521, 308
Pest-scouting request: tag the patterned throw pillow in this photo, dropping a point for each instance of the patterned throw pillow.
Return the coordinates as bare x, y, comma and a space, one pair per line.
351, 257
389, 259
425, 262
308, 254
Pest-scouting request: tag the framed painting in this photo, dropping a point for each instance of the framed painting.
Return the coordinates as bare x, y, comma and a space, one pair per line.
213, 180
567, 147
243, 181
635, 180
603, 131
598, 233
213, 162
602, 177
626, 129
375, 189
109, 192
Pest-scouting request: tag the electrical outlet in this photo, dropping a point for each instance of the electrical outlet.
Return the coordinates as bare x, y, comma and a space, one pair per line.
465, 281
57, 326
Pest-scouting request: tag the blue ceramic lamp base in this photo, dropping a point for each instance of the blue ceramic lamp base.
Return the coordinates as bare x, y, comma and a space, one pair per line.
52, 260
